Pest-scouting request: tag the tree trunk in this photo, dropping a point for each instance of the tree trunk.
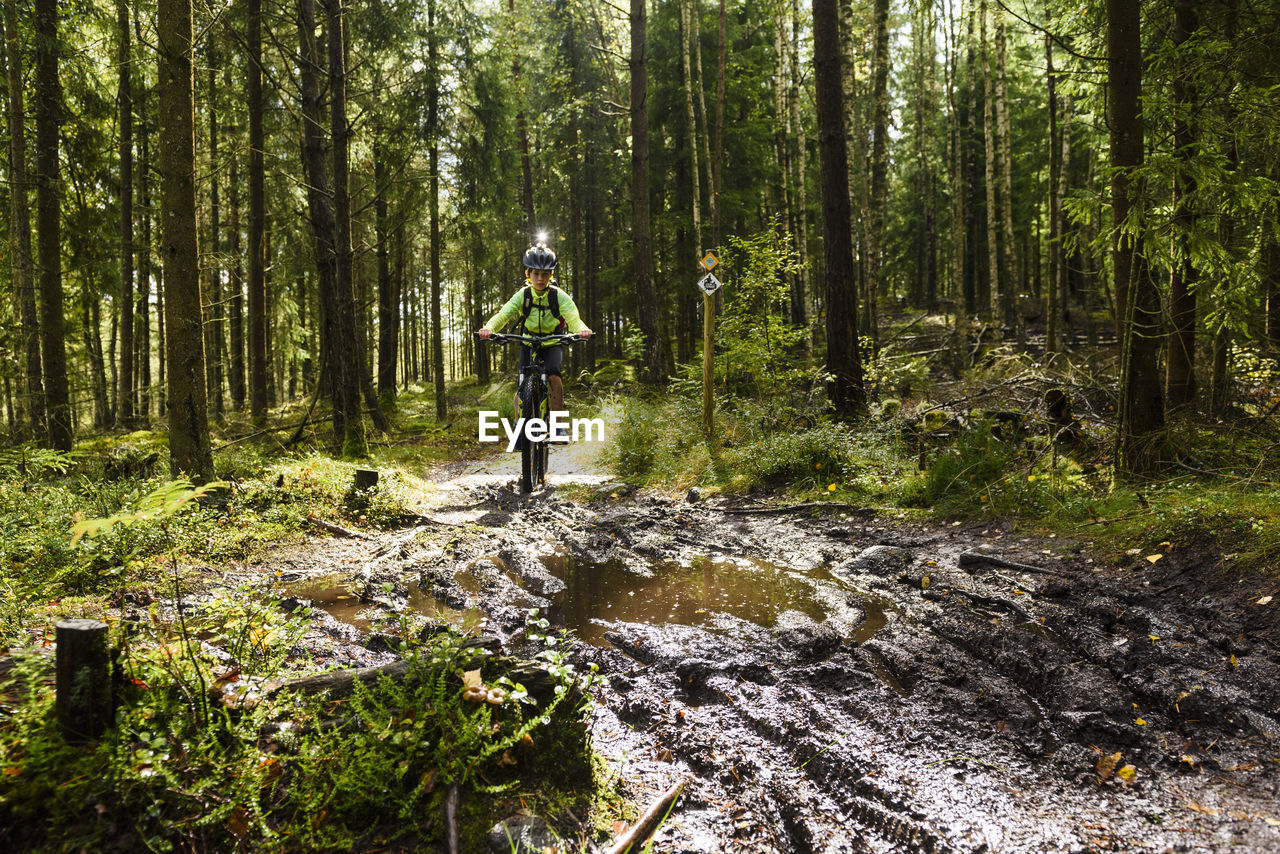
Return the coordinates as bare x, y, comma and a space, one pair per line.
1052, 321
189, 451
257, 218
641, 233
718, 162
346, 351
388, 298
845, 390
879, 169
235, 284
142, 329
125, 392
690, 121
1004, 160
800, 225
1141, 416
1180, 373
213, 343
23, 267
956, 119
989, 132
433, 124
522, 140
49, 226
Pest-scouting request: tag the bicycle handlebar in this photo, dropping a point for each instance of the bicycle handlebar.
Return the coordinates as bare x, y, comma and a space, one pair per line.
530, 339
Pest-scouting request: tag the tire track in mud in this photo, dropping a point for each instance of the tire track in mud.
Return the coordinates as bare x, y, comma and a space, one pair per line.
967, 716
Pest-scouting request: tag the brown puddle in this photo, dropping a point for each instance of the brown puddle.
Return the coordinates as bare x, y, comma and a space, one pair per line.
338, 596
691, 595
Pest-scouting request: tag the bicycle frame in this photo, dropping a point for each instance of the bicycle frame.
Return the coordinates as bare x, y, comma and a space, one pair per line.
531, 397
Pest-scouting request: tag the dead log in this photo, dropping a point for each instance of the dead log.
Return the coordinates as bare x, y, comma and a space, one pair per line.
336, 530
647, 823
977, 559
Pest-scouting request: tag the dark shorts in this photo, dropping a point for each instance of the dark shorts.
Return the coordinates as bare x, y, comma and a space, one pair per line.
553, 356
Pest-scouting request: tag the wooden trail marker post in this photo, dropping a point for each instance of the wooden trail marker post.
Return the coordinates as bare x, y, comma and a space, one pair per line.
83, 701
708, 284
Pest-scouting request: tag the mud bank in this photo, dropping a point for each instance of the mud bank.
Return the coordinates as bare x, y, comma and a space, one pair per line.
829, 680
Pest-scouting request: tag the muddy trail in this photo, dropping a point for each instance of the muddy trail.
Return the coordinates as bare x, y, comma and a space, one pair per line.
830, 679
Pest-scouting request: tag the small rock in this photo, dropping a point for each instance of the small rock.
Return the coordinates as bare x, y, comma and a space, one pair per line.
877, 560
523, 834
693, 496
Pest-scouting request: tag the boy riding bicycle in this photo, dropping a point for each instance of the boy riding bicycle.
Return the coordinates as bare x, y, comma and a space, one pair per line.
545, 309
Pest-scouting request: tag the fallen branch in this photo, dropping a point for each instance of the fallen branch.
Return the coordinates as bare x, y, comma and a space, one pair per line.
976, 558
790, 508
336, 530
979, 599
644, 826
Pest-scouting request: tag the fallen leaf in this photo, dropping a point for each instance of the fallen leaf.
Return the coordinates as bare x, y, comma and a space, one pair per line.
1107, 766
1154, 638
1153, 558
618, 827
924, 583
1133, 551
1274, 822
238, 822
1127, 775
831, 487
1265, 600
1192, 805
1234, 663
1188, 759
1140, 722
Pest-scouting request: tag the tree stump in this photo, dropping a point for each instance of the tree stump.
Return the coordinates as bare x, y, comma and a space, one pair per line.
365, 479
84, 699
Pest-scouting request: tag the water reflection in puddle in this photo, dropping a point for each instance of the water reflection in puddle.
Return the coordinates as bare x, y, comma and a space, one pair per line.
694, 595
338, 596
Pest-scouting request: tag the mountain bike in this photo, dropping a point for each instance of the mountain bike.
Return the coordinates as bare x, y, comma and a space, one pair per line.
532, 400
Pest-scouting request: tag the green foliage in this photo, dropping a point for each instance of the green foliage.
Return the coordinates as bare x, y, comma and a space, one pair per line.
755, 337
334, 777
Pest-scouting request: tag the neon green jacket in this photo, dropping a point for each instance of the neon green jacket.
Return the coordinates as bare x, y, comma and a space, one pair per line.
541, 321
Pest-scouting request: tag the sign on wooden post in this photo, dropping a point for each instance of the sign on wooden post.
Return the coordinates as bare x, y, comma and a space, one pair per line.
708, 284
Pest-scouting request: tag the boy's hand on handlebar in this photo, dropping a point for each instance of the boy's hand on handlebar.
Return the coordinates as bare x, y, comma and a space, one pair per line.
485, 333
585, 333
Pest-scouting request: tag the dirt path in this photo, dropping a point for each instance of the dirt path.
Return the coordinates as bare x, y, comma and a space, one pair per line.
838, 681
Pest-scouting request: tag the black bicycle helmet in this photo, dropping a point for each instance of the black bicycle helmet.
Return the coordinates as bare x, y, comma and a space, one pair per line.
539, 257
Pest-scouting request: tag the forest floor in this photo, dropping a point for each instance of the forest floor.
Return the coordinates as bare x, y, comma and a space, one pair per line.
833, 678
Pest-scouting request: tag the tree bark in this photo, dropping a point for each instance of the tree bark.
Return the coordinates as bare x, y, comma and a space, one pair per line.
800, 225
49, 226
433, 123
23, 266
257, 216
213, 338
1009, 256
388, 296
989, 133
1052, 321
641, 227
522, 141
346, 366
879, 168
845, 390
235, 284
125, 393
1180, 373
142, 329
189, 450
717, 163
1141, 415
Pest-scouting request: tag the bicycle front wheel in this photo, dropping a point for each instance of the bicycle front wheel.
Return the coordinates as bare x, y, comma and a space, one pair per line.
529, 405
